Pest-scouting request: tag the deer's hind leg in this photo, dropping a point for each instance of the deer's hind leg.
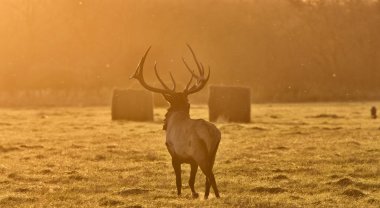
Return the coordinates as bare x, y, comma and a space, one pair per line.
213, 184
205, 163
210, 181
207, 190
193, 172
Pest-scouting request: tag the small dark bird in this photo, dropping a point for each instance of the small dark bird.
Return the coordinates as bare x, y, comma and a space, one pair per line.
373, 112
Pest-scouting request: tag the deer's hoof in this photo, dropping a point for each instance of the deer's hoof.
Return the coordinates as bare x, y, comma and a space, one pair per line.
195, 195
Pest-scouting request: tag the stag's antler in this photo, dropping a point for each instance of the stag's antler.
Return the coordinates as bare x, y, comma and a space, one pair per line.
140, 77
201, 80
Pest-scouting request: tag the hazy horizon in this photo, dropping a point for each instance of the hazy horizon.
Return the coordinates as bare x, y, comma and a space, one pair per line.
289, 50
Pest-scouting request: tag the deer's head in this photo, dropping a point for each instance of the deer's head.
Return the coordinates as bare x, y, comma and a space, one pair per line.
177, 100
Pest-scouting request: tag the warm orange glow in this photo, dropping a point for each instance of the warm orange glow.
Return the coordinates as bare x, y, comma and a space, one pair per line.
290, 50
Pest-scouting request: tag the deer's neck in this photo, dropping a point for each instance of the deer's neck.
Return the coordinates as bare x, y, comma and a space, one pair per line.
180, 113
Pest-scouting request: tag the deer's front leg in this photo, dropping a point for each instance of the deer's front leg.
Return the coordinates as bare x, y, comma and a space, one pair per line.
177, 169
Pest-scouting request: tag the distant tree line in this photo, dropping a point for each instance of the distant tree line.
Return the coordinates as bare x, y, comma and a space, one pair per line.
284, 50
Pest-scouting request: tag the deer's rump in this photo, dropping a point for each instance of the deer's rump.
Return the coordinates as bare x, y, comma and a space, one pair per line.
198, 140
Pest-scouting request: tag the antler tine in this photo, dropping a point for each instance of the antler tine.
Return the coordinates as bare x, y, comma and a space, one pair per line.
201, 83
203, 69
188, 84
140, 77
195, 58
138, 73
174, 84
159, 78
190, 70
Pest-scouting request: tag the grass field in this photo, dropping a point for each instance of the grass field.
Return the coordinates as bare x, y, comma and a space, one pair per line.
291, 155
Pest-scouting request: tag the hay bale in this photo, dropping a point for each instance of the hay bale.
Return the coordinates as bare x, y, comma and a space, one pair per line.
134, 105
159, 101
231, 104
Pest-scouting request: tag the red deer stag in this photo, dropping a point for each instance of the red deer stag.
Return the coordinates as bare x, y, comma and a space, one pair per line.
192, 141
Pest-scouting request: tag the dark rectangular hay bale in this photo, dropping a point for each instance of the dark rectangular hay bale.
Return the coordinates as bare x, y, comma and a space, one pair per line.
133, 105
231, 104
159, 101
